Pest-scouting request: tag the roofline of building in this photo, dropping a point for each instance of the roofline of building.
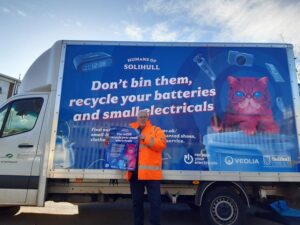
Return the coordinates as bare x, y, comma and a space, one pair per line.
9, 77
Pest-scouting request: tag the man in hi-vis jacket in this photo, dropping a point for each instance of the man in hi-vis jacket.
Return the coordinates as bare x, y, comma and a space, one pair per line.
148, 171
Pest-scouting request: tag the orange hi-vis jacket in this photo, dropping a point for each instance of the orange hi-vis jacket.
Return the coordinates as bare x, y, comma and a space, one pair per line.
150, 153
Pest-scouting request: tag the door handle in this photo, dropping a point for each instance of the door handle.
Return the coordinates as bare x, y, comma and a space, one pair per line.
25, 146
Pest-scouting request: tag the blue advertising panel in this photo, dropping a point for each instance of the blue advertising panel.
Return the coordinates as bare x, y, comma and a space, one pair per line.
221, 108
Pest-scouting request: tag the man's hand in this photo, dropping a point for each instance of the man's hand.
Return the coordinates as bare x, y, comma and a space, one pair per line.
142, 137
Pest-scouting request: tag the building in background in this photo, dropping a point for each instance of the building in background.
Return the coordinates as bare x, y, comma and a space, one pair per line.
298, 76
8, 87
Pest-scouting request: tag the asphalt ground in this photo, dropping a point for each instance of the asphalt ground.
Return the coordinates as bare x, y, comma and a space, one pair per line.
112, 213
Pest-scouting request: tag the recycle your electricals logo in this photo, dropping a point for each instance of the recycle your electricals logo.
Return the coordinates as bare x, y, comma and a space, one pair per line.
188, 159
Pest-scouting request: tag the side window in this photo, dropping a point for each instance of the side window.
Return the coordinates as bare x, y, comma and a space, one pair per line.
22, 116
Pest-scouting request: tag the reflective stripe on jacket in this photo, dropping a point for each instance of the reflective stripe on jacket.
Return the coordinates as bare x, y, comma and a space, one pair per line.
150, 153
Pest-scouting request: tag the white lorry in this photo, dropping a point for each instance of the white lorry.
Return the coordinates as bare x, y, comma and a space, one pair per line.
230, 112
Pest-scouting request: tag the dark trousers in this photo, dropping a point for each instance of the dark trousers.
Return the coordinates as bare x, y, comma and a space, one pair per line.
137, 188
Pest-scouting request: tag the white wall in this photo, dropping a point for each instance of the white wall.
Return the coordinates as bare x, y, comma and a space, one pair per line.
4, 86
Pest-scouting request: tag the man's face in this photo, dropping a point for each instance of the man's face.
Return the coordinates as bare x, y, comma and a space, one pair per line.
142, 119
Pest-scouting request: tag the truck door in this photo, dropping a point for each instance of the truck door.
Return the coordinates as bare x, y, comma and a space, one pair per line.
20, 126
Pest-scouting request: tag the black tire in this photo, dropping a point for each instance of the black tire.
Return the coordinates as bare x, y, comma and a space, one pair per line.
9, 210
223, 206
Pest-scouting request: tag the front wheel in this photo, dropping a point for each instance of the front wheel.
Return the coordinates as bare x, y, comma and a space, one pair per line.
9, 210
223, 206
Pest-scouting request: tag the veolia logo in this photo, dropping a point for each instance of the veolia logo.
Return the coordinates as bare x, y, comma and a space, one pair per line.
246, 161
228, 160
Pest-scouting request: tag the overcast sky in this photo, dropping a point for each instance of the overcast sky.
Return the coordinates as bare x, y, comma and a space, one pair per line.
29, 27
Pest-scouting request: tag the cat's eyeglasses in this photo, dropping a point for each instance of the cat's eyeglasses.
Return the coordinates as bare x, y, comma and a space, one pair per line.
241, 94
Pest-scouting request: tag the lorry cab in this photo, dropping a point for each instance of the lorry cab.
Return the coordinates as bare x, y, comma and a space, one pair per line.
24, 132
21, 120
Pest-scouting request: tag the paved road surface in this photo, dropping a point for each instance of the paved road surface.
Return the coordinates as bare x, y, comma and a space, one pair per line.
118, 213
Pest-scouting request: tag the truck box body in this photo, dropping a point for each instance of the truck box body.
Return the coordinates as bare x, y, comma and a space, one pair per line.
230, 113
184, 87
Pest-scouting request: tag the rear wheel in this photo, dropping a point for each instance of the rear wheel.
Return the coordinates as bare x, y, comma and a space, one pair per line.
223, 206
